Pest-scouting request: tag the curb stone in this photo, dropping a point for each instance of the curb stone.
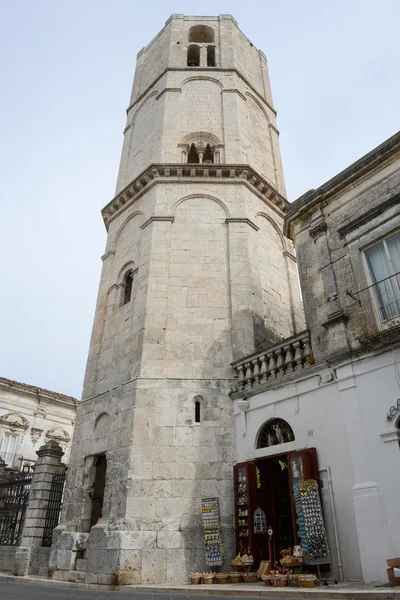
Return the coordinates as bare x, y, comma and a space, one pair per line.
220, 590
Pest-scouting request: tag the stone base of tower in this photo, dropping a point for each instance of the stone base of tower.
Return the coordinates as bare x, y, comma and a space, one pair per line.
113, 554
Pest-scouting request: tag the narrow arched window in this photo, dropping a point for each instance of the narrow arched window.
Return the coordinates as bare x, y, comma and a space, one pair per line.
193, 157
128, 282
193, 56
274, 432
197, 411
210, 56
208, 157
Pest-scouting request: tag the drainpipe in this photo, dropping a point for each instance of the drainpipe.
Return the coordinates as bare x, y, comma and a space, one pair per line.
330, 488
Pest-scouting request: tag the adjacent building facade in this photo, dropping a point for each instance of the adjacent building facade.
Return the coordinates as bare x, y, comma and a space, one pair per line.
337, 398
196, 273
30, 417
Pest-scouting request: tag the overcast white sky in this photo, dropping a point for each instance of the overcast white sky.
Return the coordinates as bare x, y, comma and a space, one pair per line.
66, 72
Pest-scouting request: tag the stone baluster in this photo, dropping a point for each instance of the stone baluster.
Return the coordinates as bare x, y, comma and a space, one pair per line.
271, 365
264, 369
249, 376
307, 350
256, 371
289, 358
241, 378
298, 359
280, 363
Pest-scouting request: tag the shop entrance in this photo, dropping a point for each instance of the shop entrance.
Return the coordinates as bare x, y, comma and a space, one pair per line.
275, 500
264, 498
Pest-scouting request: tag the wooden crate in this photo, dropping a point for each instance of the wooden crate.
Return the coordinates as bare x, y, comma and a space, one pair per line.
393, 562
392, 579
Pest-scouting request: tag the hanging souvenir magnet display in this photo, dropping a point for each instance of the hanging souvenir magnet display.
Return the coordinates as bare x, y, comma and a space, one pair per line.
258, 478
311, 527
260, 521
242, 510
212, 531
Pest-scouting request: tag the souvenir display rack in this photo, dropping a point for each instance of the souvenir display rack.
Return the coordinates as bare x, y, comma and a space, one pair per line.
311, 522
244, 474
212, 532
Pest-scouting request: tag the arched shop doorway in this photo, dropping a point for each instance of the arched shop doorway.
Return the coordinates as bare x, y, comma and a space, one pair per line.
265, 491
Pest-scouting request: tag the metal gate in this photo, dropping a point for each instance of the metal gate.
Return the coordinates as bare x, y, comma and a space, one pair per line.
54, 507
14, 495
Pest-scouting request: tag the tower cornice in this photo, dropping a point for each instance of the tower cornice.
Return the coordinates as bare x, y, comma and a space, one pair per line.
195, 173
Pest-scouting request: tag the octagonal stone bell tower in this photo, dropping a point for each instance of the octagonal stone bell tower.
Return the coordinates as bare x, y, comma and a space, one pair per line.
196, 274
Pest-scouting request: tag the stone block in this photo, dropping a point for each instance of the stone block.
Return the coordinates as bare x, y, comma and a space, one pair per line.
81, 564
177, 567
168, 507
169, 539
154, 566
78, 576
60, 575
102, 560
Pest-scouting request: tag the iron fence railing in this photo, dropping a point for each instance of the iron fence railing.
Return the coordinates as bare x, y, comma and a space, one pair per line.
379, 305
14, 495
54, 507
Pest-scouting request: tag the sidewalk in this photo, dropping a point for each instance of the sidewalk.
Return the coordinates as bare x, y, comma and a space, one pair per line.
340, 591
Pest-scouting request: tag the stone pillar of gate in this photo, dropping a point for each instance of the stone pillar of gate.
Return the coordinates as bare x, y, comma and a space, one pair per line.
2, 468
31, 558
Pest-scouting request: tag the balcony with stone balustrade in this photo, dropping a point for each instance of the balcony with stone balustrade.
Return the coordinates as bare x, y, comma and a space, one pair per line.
274, 366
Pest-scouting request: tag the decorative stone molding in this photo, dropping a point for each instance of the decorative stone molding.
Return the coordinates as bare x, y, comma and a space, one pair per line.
58, 435
14, 421
242, 220
369, 215
35, 434
41, 410
390, 435
234, 91
179, 173
317, 228
152, 219
334, 318
107, 254
165, 90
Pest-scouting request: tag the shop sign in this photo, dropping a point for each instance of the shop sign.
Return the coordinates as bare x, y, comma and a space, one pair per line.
393, 410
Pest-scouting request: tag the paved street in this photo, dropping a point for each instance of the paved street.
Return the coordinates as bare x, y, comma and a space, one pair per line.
24, 591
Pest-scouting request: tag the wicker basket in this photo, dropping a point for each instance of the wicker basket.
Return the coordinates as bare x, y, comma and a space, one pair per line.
222, 577
266, 579
293, 580
235, 577
250, 577
208, 578
195, 578
280, 581
307, 581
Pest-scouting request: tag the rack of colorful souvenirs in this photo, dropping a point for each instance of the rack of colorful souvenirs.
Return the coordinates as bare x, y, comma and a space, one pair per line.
310, 522
212, 531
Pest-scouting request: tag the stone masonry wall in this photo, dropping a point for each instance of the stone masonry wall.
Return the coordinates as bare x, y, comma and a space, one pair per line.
331, 263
